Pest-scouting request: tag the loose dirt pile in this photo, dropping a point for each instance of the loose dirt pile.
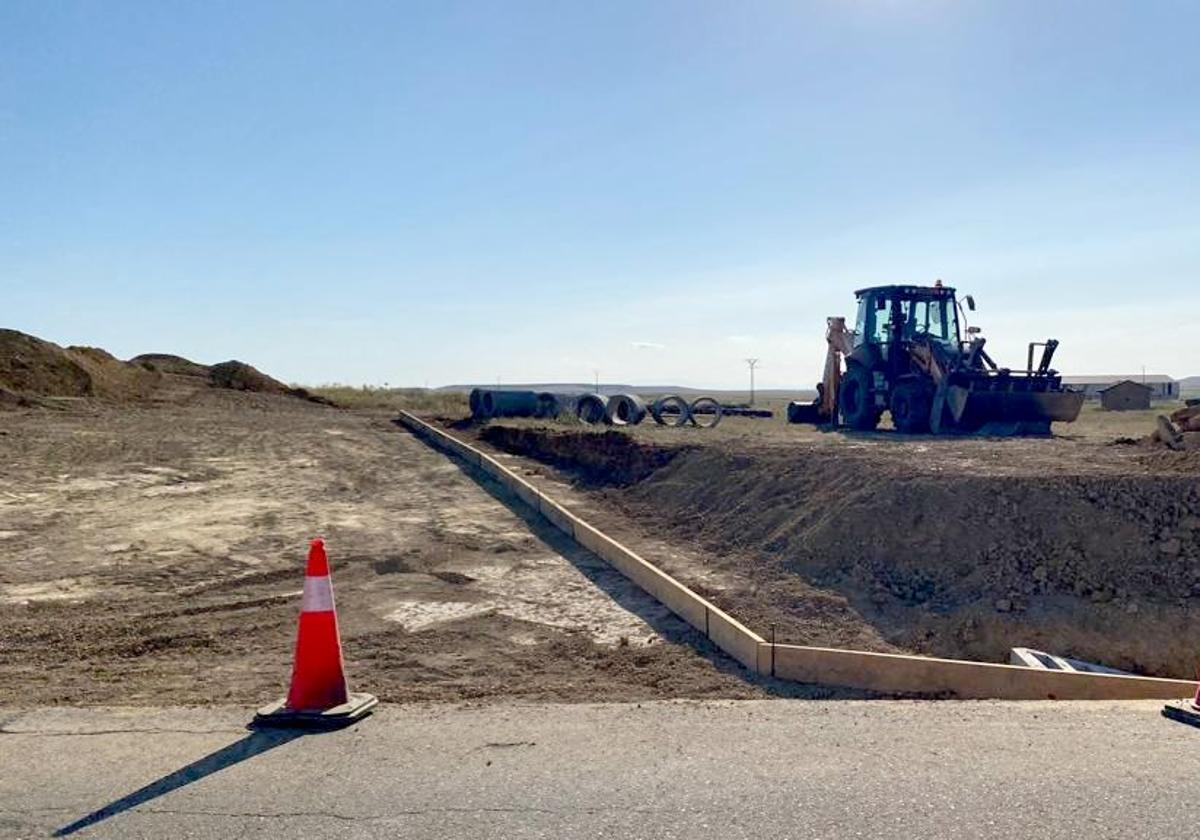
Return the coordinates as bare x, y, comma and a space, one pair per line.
1124, 537
1187, 419
239, 376
1180, 432
166, 363
963, 549
31, 368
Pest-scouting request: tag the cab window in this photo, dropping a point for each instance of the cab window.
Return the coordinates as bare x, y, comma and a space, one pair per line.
872, 322
935, 319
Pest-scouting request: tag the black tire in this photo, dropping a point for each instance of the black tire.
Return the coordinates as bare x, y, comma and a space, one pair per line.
910, 407
856, 402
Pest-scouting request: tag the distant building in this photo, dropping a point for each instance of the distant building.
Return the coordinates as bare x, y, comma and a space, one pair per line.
1161, 387
1126, 395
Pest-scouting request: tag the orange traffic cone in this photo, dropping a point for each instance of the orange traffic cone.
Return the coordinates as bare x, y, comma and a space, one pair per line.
1185, 711
318, 695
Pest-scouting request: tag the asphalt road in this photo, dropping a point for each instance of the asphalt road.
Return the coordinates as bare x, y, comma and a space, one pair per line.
754, 769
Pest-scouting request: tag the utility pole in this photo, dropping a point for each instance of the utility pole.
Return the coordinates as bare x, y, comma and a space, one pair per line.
596, 377
752, 363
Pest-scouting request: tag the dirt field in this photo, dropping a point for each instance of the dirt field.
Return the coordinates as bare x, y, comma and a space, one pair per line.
154, 541
154, 554
956, 547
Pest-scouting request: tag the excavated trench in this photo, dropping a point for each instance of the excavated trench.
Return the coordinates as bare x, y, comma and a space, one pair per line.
841, 547
596, 458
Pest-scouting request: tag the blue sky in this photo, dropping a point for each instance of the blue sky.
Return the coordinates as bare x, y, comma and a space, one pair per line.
529, 191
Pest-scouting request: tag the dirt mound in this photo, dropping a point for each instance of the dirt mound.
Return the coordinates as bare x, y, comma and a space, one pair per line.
950, 549
112, 378
1139, 536
1179, 433
960, 564
604, 458
239, 376
167, 363
31, 367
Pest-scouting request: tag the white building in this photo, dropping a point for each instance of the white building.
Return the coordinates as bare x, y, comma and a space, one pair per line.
1161, 387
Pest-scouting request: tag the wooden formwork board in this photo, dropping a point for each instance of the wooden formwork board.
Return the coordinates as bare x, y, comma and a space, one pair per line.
903, 674
557, 515
525, 491
882, 672
731, 636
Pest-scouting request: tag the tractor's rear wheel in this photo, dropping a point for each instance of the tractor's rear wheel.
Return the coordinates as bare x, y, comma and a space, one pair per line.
910, 407
855, 400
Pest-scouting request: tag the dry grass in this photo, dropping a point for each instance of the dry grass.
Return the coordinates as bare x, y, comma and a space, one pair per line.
1095, 423
450, 403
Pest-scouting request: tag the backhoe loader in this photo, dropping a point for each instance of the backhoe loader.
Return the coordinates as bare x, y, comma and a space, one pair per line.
907, 356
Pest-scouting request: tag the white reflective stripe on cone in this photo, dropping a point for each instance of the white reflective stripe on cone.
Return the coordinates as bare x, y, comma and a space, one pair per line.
318, 595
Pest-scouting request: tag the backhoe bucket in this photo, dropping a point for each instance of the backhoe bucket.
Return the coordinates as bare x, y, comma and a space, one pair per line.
805, 412
1011, 411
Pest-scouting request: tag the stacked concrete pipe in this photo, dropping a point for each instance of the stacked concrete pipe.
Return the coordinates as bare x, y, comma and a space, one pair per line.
591, 409
671, 410
625, 410
709, 409
487, 403
616, 410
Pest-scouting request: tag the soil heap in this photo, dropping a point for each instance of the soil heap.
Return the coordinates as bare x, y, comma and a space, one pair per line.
32, 368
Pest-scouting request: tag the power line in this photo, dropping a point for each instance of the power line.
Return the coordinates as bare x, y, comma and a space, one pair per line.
752, 363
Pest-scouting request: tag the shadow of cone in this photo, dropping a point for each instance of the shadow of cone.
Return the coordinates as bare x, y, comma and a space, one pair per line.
318, 696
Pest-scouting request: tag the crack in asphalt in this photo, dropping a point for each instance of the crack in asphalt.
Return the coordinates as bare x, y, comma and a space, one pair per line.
414, 812
51, 733
36, 810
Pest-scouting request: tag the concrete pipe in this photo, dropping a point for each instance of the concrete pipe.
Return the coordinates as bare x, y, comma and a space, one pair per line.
671, 410
567, 403
708, 410
591, 409
477, 404
509, 403
549, 405
626, 410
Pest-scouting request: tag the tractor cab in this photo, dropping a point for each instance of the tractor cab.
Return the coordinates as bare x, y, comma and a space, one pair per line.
889, 315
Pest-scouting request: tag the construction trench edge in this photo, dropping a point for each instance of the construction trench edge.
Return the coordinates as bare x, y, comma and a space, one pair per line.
882, 672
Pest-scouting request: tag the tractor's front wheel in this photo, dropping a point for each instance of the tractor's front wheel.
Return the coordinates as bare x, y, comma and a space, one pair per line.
855, 400
910, 406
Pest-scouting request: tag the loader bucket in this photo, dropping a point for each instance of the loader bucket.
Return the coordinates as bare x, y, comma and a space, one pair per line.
1011, 412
